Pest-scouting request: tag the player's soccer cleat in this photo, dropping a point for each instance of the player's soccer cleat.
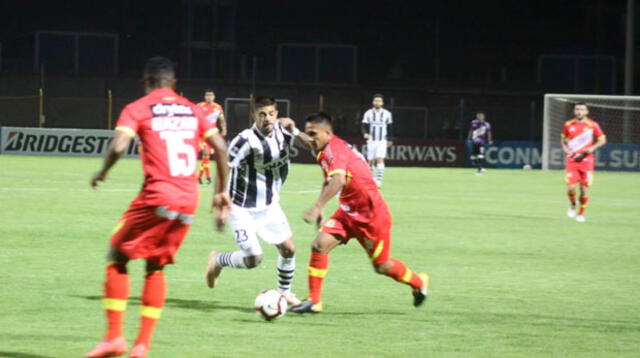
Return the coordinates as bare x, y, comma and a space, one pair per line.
113, 348
213, 269
208, 180
571, 212
580, 218
291, 298
140, 350
419, 296
307, 306
199, 180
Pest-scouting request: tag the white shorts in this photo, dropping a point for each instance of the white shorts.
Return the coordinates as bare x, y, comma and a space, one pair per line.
376, 149
269, 224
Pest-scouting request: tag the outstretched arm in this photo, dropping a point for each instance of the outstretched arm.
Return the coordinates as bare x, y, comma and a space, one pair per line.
290, 126
118, 146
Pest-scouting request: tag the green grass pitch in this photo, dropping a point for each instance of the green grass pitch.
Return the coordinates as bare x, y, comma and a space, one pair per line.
512, 276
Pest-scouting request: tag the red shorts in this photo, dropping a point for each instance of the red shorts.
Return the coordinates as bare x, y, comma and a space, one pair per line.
579, 172
373, 231
152, 232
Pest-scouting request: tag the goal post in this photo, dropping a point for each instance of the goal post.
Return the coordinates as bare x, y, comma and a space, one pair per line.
619, 117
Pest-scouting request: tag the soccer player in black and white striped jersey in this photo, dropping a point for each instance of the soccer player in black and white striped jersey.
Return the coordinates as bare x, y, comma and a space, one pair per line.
259, 162
376, 129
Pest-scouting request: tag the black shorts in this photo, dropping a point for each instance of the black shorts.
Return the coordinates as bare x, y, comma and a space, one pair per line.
478, 149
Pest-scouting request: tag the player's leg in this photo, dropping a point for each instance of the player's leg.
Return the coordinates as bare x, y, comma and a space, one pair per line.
205, 165
317, 270
379, 251
584, 196
244, 226
371, 156
286, 267
481, 149
154, 294
116, 293
572, 177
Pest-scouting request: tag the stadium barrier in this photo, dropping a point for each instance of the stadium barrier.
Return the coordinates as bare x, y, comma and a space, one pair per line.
59, 142
516, 154
404, 152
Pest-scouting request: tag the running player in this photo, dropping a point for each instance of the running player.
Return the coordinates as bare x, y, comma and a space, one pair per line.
155, 224
377, 130
259, 159
581, 136
480, 135
362, 214
214, 114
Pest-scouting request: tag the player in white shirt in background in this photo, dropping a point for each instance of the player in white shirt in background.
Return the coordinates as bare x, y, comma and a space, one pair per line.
377, 129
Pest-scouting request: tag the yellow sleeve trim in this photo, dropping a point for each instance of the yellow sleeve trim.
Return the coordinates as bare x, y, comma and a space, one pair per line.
150, 312
318, 156
127, 130
314, 272
114, 304
601, 137
377, 251
210, 132
342, 171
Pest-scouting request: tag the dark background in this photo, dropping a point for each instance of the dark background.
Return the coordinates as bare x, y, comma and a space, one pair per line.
451, 57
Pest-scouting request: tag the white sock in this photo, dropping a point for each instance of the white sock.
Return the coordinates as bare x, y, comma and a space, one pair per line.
232, 259
379, 172
286, 269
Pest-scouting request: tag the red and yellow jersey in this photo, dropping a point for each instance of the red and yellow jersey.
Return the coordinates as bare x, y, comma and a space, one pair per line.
360, 194
212, 112
580, 135
170, 128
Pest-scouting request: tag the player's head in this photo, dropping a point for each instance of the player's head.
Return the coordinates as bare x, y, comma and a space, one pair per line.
159, 72
378, 100
265, 114
580, 110
319, 127
480, 115
209, 95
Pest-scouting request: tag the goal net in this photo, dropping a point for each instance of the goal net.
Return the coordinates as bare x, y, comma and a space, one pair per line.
618, 116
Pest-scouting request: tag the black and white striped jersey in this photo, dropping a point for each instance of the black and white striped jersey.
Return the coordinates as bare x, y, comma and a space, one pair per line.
259, 166
377, 123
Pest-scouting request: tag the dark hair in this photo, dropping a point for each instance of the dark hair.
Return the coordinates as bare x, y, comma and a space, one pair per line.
263, 101
480, 112
157, 69
580, 104
378, 95
319, 118
207, 90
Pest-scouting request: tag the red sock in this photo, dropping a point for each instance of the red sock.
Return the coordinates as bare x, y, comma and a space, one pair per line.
318, 265
200, 173
401, 273
116, 292
572, 198
583, 204
153, 296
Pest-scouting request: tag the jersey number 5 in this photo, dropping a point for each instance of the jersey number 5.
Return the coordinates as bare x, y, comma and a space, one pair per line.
182, 156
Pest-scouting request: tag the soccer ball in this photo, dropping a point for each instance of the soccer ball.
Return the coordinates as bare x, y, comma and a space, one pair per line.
527, 167
270, 304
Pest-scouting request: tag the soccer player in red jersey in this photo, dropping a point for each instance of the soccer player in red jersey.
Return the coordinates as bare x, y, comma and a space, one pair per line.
153, 227
363, 214
214, 114
581, 136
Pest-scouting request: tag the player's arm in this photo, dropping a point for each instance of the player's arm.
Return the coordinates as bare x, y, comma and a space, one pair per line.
390, 132
221, 202
223, 125
365, 127
290, 126
121, 140
333, 185
602, 140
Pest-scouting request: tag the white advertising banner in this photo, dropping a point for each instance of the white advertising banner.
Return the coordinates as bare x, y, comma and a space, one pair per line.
59, 142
